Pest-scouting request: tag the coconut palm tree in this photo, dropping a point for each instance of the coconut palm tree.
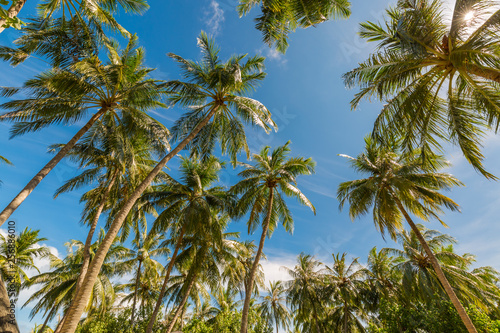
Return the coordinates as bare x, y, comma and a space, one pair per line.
145, 247
187, 207
215, 92
419, 281
17, 254
345, 286
279, 18
57, 287
6, 161
305, 292
439, 78
400, 184
262, 191
97, 12
273, 306
65, 96
202, 258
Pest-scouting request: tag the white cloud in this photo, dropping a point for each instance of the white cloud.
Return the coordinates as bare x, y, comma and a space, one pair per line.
214, 17
272, 55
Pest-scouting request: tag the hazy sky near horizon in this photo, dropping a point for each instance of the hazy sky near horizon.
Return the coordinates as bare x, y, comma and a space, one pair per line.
310, 105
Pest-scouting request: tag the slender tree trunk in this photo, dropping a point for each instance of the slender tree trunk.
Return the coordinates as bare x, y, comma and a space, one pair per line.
18, 200
277, 325
88, 242
181, 306
439, 272
76, 311
137, 278
248, 295
47, 319
345, 318
485, 73
8, 323
152, 320
12, 12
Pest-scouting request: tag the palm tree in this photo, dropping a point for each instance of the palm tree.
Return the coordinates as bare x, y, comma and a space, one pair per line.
382, 279
57, 287
6, 161
188, 206
440, 78
65, 96
345, 286
207, 251
261, 192
17, 254
214, 92
97, 12
305, 292
399, 184
273, 306
146, 246
8, 18
279, 18
419, 280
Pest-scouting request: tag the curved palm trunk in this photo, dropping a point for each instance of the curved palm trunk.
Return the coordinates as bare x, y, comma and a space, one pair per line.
76, 311
181, 306
18, 200
137, 278
12, 12
8, 321
88, 243
165, 281
248, 295
485, 73
439, 272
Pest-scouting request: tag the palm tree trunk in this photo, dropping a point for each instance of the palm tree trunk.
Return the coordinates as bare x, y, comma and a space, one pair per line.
18, 200
8, 321
88, 242
485, 73
76, 311
345, 318
277, 325
12, 12
248, 295
152, 320
137, 278
47, 319
439, 272
181, 306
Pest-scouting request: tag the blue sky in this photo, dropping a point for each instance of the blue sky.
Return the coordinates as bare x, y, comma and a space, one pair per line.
310, 104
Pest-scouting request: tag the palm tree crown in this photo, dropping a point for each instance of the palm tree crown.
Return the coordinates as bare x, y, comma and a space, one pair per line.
441, 80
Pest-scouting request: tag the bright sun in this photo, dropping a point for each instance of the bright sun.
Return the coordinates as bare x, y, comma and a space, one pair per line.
469, 16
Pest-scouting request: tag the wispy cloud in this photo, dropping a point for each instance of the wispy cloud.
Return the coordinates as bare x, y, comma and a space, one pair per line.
273, 55
214, 17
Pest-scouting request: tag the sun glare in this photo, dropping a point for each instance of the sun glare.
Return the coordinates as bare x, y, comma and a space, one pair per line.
469, 16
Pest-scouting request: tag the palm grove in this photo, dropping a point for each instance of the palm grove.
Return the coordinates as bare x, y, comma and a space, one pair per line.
439, 79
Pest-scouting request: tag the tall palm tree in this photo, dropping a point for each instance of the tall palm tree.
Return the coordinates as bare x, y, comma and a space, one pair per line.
207, 251
262, 189
6, 161
65, 96
345, 285
279, 18
17, 254
187, 207
305, 292
146, 246
215, 92
419, 281
439, 77
273, 306
399, 184
57, 287
98, 12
